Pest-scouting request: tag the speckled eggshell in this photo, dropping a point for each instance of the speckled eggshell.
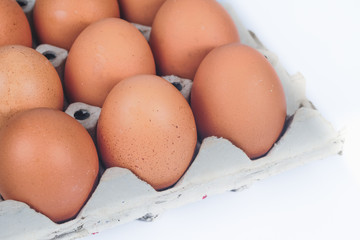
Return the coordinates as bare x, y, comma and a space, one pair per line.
103, 54
59, 22
183, 32
147, 126
14, 26
48, 161
237, 95
140, 11
27, 80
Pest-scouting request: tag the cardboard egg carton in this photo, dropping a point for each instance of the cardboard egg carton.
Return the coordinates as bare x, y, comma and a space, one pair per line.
219, 166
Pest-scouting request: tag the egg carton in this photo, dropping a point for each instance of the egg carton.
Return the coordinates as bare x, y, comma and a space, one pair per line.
219, 166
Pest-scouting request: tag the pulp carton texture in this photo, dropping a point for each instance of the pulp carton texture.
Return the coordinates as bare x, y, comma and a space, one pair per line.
219, 166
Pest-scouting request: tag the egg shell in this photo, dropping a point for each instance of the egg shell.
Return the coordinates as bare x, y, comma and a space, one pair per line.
28, 6
147, 126
57, 57
49, 161
105, 53
140, 11
59, 22
27, 80
14, 26
237, 95
183, 32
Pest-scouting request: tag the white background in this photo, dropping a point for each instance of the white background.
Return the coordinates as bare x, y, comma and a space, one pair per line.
320, 200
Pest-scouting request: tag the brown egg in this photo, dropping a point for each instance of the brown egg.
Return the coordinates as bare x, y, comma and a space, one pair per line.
27, 80
140, 11
59, 22
147, 126
105, 53
48, 161
237, 95
183, 32
14, 26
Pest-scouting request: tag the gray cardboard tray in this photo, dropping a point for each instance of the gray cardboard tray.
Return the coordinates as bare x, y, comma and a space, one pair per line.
219, 166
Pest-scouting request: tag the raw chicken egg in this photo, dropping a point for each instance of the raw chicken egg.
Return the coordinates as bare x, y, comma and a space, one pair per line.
237, 95
48, 161
59, 22
183, 32
106, 52
27, 80
14, 26
147, 126
140, 11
